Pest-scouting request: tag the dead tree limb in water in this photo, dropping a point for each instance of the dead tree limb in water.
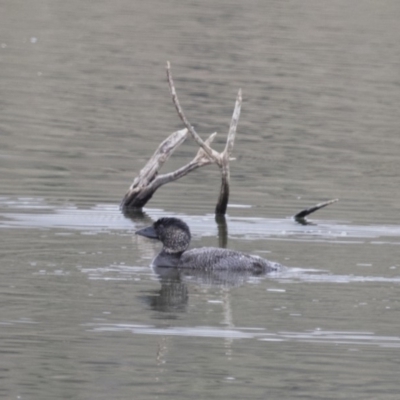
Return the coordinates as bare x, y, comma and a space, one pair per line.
148, 180
301, 216
221, 159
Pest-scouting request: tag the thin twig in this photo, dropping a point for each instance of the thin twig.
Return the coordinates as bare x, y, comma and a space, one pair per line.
230, 141
214, 156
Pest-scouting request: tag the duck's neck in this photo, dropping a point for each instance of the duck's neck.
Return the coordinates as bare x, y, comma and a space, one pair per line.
167, 259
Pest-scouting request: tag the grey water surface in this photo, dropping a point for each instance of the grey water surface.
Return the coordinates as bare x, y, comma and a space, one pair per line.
84, 103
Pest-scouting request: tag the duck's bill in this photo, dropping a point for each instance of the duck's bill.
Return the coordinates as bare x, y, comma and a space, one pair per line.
148, 232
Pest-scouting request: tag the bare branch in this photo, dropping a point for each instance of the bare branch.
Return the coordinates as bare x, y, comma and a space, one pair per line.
160, 156
222, 203
230, 141
212, 154
145, 185
200, 160
300, 216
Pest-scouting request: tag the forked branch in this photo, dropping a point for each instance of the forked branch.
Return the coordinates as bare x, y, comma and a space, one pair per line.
148, 180
221, 159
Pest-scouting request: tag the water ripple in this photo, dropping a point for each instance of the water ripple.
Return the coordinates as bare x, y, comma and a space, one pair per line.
107, 217
309, 336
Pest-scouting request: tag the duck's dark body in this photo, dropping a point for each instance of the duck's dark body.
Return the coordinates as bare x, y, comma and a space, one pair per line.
175, 236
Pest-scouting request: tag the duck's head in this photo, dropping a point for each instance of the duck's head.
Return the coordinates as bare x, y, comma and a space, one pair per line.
172, 232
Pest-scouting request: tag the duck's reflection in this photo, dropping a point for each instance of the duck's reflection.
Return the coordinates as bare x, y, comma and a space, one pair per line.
173, 296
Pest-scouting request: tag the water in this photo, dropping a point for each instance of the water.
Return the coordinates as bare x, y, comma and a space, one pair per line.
84, 104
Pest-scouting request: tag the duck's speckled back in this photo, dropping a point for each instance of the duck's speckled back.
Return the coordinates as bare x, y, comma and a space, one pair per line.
216, 258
